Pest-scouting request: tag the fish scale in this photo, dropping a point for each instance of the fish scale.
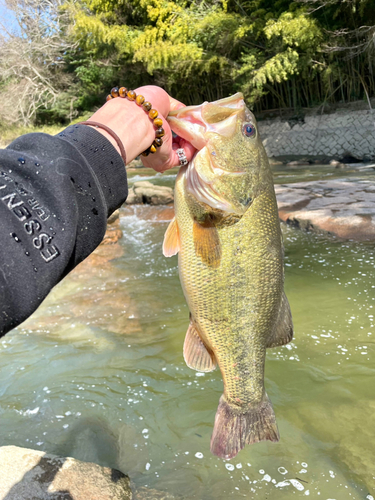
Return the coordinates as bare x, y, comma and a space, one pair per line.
231, 271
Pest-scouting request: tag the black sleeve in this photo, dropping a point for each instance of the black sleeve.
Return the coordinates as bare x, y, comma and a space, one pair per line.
55, 196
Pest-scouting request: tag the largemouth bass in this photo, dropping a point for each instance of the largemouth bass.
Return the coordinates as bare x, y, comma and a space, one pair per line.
227, 234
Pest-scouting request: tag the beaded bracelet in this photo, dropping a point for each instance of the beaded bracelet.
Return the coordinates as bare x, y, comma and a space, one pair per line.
147, 106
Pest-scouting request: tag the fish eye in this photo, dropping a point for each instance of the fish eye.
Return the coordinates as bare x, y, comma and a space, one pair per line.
248, 130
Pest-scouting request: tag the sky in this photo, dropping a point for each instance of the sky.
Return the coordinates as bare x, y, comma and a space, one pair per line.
6, 17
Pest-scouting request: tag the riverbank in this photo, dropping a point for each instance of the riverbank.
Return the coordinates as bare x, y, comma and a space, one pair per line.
341, 208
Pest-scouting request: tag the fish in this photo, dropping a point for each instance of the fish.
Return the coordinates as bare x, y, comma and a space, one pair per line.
227, 234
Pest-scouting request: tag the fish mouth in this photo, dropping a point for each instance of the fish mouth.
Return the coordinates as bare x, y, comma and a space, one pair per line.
192, 123
196, 124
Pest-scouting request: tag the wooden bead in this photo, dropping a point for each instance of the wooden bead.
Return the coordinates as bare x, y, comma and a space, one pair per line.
160, 132
158, 122
147, 106
122, 91
153, 114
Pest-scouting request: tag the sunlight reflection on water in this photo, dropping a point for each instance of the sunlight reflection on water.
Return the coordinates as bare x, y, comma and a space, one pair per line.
97, 373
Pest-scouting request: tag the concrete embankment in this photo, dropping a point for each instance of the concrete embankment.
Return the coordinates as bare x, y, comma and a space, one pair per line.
346, 132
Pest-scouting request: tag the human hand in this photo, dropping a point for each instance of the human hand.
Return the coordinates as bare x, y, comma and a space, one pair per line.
165, 156
137, 132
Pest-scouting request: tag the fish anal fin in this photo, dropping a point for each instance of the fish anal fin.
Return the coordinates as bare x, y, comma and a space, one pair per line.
207, 242
283, 331
196, 354
236, 427
171, 243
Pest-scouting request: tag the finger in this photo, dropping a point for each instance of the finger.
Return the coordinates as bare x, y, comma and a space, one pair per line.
159, 161
164, 158
174, 104
188, 148
158, 97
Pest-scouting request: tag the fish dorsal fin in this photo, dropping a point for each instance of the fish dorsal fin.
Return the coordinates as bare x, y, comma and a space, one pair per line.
207, 242
196, 354
283, 331
171, 243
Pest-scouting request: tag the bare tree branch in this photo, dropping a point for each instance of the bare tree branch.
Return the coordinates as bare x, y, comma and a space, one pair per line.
32, 58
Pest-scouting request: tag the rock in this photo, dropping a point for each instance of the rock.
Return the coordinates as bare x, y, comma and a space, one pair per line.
144, 192
297, 163
150, 213
112, 309
112, 235
135, 164
133, 199
143, 493
356, 455
337, 164
344, 209
35, 475
99, 260
275, 162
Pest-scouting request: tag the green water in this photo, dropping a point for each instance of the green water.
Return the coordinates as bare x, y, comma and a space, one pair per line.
97, 373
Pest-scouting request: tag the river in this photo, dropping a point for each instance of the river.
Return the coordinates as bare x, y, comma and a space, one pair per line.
97, 372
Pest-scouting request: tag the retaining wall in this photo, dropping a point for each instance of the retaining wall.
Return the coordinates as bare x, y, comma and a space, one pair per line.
332, 135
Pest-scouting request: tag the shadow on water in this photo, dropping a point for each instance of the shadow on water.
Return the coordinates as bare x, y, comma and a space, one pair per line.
91, 440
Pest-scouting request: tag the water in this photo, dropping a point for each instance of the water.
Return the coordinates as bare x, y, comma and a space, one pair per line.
282, 174
97, 373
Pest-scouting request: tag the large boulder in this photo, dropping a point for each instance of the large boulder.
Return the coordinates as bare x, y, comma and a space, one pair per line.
144, 192
34, 475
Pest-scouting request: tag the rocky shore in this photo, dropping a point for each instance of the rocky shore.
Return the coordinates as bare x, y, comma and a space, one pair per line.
338, 207
344, 209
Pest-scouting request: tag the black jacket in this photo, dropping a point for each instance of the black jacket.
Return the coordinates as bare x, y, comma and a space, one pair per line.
55, 196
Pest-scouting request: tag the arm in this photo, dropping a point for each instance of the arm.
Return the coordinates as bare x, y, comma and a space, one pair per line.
55, 196
57, 192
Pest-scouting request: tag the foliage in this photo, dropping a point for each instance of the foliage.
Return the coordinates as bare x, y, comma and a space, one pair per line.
279, 53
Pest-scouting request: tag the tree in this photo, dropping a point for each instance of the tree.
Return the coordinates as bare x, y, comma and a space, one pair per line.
32, 59
349, 48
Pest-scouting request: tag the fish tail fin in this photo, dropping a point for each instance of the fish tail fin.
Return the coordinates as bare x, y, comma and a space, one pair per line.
235, 428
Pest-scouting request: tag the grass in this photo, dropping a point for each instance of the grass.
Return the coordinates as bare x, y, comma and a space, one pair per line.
9, 134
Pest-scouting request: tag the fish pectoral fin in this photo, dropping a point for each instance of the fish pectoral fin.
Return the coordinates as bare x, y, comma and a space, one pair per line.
196, 354
207, 242
283, 331
171, 243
